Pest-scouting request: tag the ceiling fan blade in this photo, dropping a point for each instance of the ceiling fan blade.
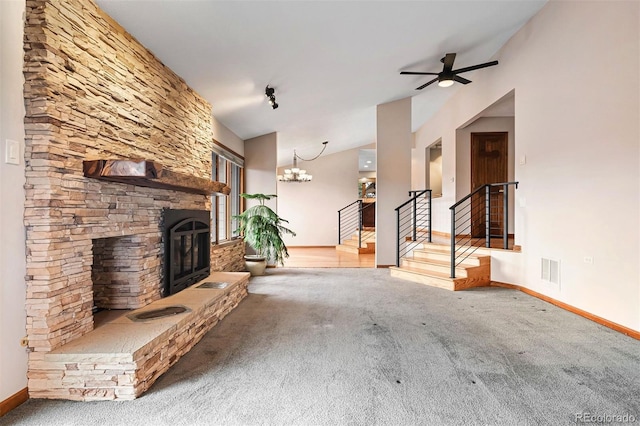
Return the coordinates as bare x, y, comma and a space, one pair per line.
475, 67
461, 80
426, 84
417, 73
448, 62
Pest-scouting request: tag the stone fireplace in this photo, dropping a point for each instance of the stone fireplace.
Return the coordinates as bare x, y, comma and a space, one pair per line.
93, 92
186, 246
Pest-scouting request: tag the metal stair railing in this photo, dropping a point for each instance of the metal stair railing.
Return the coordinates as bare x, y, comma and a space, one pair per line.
350, 221
476, 218
413, 222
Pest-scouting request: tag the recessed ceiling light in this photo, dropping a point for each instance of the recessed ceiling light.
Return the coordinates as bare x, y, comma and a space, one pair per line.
366, 165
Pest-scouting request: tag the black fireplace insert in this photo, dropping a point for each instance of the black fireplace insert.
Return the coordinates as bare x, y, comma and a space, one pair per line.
186, 248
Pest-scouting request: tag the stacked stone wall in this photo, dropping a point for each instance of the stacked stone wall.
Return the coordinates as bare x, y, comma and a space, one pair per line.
93, 92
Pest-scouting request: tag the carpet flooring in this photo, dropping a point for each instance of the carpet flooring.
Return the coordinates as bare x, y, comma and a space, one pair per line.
357, 347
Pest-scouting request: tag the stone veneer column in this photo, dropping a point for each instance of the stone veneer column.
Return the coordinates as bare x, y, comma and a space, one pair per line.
92, 91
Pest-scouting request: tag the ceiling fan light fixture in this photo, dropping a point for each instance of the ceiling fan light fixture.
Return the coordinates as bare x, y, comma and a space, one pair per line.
445, 82
448, 75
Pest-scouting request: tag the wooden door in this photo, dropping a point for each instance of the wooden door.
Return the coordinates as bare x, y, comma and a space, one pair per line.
489, 164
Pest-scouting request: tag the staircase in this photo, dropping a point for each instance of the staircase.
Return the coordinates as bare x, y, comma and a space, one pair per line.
465, 261
430, 264
356, 245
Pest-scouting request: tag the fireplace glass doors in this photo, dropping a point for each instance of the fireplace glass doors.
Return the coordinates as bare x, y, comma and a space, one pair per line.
187, 248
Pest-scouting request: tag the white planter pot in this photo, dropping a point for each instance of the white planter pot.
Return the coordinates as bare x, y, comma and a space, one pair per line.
255, 264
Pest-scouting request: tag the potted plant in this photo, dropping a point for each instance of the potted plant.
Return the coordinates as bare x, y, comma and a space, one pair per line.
263, 230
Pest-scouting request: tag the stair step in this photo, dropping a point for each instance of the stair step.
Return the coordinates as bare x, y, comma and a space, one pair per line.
368, 248
432, 266
437, 279
432, 279
354, 243
445, 257
446, 248
462, 271
365, 238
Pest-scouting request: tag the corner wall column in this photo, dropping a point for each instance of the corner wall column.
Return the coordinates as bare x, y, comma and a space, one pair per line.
393, 173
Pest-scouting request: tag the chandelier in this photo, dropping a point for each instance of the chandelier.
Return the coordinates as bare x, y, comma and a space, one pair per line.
296, 174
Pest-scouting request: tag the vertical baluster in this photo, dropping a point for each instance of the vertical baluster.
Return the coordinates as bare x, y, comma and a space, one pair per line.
487, 213
505, 222
415, 219
429, 216
453, 243
359, 223
339, 233
398, 237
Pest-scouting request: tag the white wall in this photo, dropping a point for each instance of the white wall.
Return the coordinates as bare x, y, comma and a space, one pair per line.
393, 169
260, 162
312, 207
226, 137
575, 68
13, 357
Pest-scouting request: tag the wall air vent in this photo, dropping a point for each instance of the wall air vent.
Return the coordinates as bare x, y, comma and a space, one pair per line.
550, 271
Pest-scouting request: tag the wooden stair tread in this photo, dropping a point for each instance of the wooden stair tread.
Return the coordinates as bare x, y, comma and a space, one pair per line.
443, 248
437, 262
436, 274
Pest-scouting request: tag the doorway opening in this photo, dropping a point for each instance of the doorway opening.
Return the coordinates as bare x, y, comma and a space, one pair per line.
433, 160
489, 156
485, 153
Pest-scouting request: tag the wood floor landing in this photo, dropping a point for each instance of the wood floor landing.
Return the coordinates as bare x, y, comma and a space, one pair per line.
327, 257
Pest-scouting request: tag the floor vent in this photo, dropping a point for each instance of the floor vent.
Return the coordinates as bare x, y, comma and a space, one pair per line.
550, 271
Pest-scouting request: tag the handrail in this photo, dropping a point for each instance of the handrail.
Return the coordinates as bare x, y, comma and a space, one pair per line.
350, 221
463, 241
466, 197
411, 199
349, 205
413, 223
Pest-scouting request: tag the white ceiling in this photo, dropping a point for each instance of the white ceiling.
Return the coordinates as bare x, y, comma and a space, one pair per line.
330, 62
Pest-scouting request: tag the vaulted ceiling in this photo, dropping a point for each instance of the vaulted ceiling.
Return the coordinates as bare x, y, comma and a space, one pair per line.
330, 62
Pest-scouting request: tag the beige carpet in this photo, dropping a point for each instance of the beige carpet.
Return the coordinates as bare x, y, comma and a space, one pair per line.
356, 347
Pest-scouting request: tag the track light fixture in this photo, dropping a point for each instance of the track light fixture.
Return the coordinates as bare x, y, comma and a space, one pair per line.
270, 93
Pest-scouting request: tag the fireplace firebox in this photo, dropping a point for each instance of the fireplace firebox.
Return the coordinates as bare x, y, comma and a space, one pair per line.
187, 248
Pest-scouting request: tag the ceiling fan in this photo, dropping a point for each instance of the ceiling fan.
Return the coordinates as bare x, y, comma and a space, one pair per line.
448, 74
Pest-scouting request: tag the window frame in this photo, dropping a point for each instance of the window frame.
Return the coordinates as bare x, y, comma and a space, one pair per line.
226, 167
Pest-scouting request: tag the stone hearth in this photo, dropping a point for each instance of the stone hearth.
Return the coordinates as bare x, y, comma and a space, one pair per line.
122, 358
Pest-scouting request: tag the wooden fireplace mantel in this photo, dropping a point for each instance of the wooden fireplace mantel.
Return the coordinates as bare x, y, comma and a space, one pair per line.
150, 174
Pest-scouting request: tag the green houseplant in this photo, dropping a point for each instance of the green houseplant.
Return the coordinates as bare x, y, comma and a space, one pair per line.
263, 230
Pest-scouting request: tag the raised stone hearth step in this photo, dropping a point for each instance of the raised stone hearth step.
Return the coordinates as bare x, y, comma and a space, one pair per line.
121, 359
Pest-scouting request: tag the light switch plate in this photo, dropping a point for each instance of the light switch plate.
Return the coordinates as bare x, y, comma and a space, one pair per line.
12, 152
